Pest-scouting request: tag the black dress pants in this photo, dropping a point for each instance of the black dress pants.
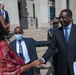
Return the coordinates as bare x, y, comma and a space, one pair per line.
55, 63
68, 72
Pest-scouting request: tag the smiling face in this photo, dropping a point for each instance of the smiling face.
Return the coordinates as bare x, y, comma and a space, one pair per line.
65, 18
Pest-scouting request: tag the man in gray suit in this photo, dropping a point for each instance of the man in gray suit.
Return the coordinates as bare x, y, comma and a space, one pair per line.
65, 41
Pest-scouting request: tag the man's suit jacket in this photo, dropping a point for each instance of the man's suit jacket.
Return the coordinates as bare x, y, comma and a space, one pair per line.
31, 45
7, 16
66, 52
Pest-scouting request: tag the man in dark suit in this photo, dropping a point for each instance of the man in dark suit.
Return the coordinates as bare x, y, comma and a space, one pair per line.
4, 14
28, 47
65, 41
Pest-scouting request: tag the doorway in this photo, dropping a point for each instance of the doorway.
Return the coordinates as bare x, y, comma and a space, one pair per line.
52, 12
22, 14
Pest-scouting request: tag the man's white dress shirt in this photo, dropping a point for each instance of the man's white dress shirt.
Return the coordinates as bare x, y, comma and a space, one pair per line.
25, 51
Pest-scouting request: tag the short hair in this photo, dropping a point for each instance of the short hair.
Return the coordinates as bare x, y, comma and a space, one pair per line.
18, 28
67, 11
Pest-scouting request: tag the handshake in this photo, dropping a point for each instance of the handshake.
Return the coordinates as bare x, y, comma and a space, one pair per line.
37, 63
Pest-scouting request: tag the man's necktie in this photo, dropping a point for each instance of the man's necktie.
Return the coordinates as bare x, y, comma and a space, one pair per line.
20, 50
66, 34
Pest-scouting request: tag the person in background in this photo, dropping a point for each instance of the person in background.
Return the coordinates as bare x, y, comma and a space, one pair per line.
50, 37
0, 9
28, 50
5, 14
10, 62
0, 4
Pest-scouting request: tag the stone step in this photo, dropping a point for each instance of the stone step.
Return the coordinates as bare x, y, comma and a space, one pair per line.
36, 33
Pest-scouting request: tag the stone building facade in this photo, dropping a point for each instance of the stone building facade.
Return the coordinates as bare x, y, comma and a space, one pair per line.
41, 11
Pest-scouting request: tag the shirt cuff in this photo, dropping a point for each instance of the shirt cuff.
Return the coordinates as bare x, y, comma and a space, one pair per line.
43, 60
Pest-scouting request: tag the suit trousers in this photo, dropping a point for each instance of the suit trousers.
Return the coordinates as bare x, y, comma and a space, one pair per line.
68, 72
55, 63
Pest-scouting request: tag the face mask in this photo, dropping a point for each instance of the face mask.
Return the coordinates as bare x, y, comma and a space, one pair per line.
18, 36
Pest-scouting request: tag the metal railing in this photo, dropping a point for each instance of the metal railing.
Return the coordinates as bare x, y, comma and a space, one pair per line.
25, 22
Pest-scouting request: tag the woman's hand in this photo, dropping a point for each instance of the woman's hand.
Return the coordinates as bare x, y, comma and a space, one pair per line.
37, 63
16, 72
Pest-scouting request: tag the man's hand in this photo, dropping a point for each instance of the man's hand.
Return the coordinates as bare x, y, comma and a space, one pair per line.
40, 60
39, 63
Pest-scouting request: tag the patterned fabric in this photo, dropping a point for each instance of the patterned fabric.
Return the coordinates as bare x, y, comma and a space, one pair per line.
10, 63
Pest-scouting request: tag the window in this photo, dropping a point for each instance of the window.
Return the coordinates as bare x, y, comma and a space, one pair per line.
52, 12
52, 0
31, 0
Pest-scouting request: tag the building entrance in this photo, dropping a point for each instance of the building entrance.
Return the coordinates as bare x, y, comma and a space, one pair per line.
23, 14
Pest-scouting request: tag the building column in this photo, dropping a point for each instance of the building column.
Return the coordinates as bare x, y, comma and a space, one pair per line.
72, 6
59, 5
42, 13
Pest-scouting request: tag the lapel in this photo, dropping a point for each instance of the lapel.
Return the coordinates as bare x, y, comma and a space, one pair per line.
27, 42
5, 12
14, 46
0, 12
62, 36
72, 32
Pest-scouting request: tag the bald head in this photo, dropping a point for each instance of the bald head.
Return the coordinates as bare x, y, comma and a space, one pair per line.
2, 6
18, 30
